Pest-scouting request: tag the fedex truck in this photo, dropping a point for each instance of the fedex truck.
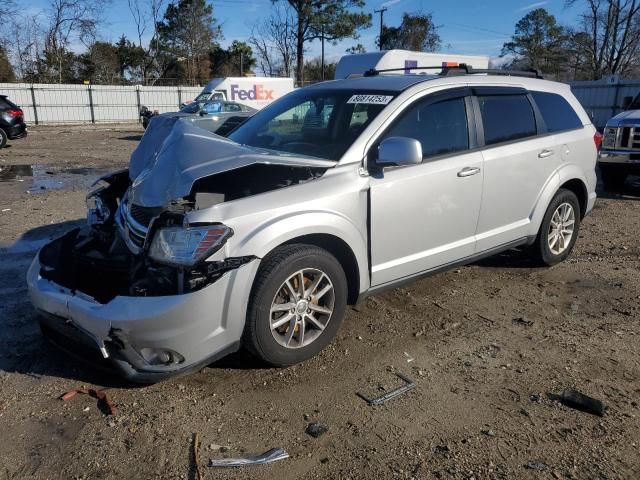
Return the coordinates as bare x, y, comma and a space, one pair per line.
361, 62
255, 92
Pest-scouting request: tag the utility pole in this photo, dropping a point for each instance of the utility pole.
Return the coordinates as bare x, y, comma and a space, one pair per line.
381, 12
322, 38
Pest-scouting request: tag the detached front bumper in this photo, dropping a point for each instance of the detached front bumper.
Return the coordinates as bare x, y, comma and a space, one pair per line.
129, 334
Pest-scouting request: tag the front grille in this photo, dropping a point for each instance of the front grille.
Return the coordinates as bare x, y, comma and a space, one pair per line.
622, 138
143, 215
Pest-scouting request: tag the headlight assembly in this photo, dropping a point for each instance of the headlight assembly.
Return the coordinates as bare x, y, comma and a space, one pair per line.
186, 246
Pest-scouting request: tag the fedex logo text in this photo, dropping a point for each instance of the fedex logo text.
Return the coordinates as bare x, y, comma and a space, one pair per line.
258, 92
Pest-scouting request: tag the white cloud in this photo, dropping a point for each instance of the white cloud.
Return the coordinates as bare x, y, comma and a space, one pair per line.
388, 3
532, 6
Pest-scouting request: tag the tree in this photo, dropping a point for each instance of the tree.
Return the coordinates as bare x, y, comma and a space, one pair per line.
235, 61
538, 42
613, 27
146, 14
416, 32
359, 48
100, 64
186, 34
68, 20
332, 20
274, 41
313, 70
6, 70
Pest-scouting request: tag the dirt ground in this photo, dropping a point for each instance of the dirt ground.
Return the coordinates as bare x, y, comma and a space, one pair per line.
479, 410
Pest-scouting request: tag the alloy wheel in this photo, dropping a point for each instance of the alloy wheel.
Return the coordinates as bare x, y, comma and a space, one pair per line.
301, 308
561, 228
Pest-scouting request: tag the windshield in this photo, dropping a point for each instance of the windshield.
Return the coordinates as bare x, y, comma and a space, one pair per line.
316, 122
635, 105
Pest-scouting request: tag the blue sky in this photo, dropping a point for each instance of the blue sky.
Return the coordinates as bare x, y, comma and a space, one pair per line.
466, 26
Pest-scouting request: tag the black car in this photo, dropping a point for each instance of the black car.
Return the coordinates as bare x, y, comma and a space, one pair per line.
12, 124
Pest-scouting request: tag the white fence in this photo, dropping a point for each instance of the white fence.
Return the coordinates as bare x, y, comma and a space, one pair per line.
54, 104
51, 103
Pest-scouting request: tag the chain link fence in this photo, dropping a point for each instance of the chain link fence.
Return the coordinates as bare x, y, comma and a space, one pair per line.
59, 104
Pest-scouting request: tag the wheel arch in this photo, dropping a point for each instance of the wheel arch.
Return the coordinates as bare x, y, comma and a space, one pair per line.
578, 187
343, 253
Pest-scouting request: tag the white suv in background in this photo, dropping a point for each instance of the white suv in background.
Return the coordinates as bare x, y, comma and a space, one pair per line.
331, 193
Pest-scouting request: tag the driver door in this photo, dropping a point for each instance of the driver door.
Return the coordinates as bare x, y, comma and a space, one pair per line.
424, 216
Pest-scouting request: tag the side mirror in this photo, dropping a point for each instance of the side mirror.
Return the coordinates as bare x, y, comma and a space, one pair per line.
399, 151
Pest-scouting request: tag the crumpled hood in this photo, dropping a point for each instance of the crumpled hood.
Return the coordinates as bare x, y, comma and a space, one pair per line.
630, 117
174, 153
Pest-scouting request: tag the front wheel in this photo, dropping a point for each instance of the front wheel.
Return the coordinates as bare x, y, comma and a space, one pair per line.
559, 230
297, 304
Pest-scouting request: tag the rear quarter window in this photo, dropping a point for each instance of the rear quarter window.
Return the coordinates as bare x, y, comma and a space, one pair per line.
558, 115
506, 118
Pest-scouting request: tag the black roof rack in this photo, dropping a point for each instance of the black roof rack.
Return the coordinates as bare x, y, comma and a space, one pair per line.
461, 69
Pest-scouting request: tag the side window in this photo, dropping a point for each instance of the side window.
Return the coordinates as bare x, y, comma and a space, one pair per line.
440, 127
506, 117
558, 115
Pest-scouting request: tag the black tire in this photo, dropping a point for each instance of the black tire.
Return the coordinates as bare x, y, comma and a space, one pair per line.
275, 269
612, 178
3, 138
540, 250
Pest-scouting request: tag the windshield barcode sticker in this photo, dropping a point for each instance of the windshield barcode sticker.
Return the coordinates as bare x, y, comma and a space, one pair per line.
373, 99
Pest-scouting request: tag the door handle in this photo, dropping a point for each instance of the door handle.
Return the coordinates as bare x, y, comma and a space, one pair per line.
468, 171
545, 153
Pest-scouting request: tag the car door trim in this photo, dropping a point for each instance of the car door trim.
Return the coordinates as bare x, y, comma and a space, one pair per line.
442, 268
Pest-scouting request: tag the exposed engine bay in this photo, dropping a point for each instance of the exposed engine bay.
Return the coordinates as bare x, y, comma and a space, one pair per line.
111, 256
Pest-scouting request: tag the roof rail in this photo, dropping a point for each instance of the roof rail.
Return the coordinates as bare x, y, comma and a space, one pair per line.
460, 69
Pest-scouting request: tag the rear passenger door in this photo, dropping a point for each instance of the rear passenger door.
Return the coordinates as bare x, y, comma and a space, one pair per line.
519, 159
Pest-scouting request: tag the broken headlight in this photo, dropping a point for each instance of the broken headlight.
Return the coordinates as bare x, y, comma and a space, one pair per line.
185, 246
97, 212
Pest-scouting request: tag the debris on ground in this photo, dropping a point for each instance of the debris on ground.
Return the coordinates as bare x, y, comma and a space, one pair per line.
579, 401
409, 385
526, 321
316, 429
104, 402
269, 456
539, 466
196, 455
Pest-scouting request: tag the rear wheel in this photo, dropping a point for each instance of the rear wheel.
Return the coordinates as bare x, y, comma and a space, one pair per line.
297, 304
3, 138
559, 230
612, 178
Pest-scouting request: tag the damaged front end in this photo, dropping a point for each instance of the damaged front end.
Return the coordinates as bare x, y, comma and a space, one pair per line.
153, 291
135, 252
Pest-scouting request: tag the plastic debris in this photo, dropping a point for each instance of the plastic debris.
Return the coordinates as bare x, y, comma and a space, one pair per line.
100, 395
316, 429
272, 455
579, 401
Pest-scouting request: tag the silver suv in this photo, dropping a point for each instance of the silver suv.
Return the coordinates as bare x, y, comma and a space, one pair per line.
332, 193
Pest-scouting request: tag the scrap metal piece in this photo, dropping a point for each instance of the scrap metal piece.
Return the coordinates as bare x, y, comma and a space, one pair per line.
409, 385
579, 401
272, 455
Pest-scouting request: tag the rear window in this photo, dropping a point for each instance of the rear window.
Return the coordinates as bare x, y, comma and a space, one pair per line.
6, 103
506, 117
556, 112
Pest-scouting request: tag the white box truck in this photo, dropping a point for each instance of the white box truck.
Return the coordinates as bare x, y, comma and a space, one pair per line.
361, 62
255, 92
